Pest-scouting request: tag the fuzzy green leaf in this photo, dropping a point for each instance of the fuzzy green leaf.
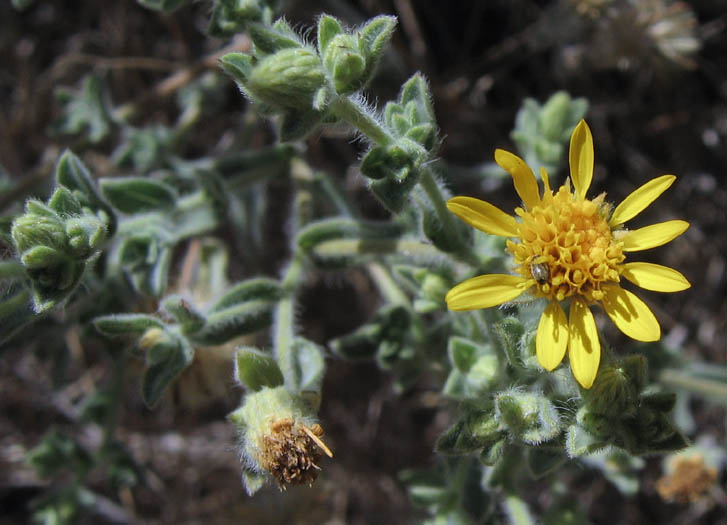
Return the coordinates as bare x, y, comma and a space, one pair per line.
184, 313
253, 481
226, 324
416, 90
328, 27
254, 289
86, 111
52, 287
237, 65
255, 369
121, 324
168, 363
42, 257
374, 38
138, 195
71, 173
309, 365
340, 228
64, 202
462, 353
270, 39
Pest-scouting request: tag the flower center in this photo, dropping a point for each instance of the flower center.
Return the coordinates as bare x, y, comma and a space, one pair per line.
567, 247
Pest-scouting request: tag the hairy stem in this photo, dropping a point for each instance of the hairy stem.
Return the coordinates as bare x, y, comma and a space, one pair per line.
351, 111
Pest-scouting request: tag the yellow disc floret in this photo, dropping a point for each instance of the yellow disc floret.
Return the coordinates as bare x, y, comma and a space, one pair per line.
570, 241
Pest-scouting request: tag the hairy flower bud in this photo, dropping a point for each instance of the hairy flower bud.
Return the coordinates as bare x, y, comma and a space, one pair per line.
31, 230
345, 64
288, 79
612, 393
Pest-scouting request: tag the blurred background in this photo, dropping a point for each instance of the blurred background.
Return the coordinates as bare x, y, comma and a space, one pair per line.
655, 76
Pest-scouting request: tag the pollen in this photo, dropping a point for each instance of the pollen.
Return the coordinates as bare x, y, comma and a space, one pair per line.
569, 240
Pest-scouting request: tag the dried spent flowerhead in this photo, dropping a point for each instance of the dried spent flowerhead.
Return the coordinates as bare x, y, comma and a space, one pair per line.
690, 480
279, 436
291, 452
648, 33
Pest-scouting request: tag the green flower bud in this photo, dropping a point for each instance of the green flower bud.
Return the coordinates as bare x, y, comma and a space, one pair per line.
635, 367
528, 416
280, 436
31, 230
288, 79
345, 64
351, 57
42, 257
612, 393
86, 234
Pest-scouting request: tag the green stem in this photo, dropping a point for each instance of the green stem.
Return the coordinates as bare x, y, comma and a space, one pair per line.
348, 110
284, 331
388, 287
351, 111
284, 334
429, 184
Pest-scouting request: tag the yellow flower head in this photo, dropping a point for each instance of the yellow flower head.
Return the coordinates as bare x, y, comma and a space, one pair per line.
566, 246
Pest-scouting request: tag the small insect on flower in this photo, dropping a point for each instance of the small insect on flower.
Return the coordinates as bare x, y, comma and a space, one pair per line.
540, 272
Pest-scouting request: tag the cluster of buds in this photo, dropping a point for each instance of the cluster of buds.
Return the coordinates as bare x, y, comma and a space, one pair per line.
286, 76
56, 240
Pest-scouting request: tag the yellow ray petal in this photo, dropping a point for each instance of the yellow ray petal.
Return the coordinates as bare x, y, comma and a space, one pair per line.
584, 348
630, 314
639, 199
522, 177
545, 179
653, 236
655, 277
580, 157
485, 291
552, 336
483, 216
